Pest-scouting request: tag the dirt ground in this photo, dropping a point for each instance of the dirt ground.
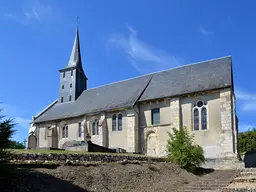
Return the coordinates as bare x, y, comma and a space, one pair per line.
158, 177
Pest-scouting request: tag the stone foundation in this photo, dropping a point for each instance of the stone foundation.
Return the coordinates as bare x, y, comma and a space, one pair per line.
223, 163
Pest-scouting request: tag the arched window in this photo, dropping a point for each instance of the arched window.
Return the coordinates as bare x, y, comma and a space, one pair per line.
114, 122
79, 130
196, 119
204, 118
200, 116
95, 127
120, 122
65, 131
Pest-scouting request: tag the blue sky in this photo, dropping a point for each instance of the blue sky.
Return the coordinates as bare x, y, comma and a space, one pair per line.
119, 40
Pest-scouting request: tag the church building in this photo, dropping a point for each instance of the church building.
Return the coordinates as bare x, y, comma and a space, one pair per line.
136, 114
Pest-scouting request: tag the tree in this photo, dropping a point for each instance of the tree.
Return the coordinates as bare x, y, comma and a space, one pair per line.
247, 140
6, 131
16, 145
182, 151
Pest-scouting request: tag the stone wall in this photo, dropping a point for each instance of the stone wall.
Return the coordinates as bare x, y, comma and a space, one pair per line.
227, 124
175, 112
223, 163
80, 158
132, 131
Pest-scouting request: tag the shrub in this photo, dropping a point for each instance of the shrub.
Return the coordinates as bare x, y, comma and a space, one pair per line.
182, 151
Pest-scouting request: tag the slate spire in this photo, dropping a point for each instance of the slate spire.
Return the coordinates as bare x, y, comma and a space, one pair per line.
73, 80
75, 57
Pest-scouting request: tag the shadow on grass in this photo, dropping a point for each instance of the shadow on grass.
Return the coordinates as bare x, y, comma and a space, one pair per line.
19, 180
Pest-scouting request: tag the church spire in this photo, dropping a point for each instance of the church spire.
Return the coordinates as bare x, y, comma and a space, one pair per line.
73, 81
75, 57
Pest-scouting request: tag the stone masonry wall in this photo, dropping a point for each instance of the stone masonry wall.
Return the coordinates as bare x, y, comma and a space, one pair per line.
175, 112
223, 163
227, 134
80, 158
235, 130
132, 131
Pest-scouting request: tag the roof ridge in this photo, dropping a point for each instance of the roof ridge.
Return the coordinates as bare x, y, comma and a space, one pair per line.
153, 73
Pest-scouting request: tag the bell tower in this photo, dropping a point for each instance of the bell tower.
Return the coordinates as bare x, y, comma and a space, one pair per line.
73, 81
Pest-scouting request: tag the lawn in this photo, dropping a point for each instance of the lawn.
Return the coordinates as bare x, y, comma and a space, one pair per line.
24, 151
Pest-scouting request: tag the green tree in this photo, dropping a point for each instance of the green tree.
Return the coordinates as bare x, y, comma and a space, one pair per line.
16, 145
182, 150
6, 131
247, 140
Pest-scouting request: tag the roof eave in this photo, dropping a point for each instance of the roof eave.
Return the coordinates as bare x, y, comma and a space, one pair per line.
184, 94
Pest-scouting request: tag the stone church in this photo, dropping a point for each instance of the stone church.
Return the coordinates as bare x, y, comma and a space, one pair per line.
136, 114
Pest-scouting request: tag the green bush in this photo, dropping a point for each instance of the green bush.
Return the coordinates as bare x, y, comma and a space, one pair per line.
181, 149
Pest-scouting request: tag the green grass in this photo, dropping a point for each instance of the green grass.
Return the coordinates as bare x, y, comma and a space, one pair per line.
24, 151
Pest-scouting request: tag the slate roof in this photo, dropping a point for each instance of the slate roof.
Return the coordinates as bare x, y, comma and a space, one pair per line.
112, 96
191, 78
207, 75
75, 59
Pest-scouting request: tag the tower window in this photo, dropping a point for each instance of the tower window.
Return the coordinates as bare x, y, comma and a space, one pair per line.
64, 74
72, 73
61, 99
70, 85
70, 98
62, 86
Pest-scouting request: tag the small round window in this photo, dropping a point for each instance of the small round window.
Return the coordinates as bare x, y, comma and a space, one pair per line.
199, 104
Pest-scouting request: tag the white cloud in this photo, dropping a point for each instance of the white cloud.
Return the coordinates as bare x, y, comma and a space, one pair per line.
205, 32
248, 106
22, 122
141, 55
15, 113
245, 95
248, 100
35, 11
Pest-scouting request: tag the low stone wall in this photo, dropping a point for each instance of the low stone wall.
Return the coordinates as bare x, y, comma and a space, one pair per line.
223, 163
81, 158
77, 148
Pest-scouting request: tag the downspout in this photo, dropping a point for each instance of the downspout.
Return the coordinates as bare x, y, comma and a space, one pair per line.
138, 113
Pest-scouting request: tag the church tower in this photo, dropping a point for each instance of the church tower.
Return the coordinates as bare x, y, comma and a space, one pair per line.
73, 81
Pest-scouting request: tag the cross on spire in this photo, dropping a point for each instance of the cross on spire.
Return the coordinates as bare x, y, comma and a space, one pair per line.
77, 17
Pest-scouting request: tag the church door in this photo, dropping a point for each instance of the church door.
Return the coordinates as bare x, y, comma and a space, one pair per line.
52, 137
151, 144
